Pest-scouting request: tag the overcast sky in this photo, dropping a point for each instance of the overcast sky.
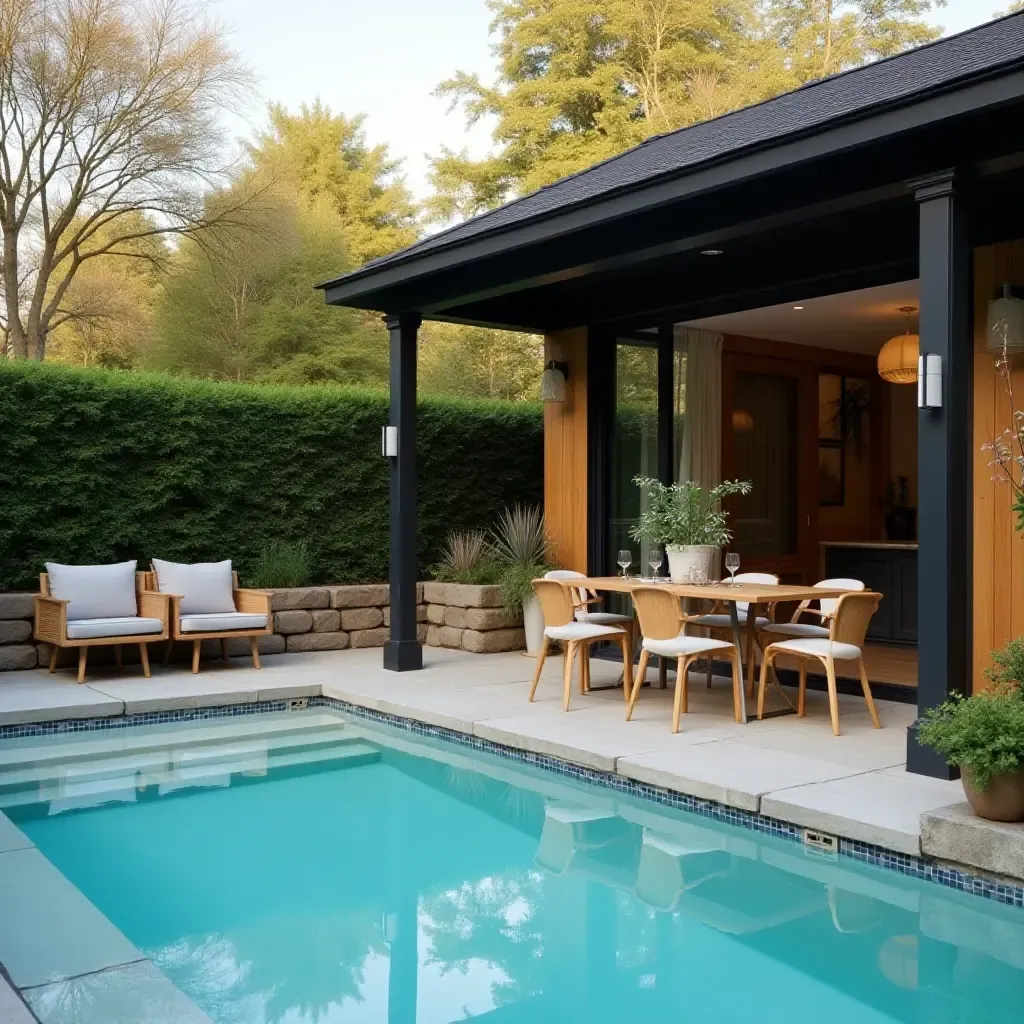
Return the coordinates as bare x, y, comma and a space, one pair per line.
384, 58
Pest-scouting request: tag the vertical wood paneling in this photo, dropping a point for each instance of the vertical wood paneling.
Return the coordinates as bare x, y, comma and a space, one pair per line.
565, 453
998, 549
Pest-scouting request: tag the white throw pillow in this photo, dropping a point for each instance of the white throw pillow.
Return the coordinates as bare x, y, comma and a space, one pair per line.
95, 591
205, 587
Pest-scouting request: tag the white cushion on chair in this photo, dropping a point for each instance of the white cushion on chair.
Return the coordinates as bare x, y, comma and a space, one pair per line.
681, 646
95, 591
603, 618
218, 621
724, 621
796, 629
820, 648
127, 625
205, 587
580, 631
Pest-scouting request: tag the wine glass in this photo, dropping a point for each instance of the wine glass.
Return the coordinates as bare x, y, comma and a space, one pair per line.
732, 563
654, 561
625, 560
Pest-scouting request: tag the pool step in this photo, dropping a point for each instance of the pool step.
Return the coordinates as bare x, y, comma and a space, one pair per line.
23, 752
173, 756
81, 792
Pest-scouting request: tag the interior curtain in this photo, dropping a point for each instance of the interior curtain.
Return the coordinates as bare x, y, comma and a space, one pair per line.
700, 441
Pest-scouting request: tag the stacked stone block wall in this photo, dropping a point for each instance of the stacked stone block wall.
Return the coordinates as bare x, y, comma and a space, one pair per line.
333, 618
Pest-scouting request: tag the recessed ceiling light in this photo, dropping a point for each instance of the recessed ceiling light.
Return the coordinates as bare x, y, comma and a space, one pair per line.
711, 252
798, 307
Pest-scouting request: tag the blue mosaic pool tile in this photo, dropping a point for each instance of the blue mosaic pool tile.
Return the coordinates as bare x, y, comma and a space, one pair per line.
878, 856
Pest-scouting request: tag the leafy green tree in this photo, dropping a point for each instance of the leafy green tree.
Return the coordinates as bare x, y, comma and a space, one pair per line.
474, 362
105, 316
326, 156
240, 304
816, 38
581, 80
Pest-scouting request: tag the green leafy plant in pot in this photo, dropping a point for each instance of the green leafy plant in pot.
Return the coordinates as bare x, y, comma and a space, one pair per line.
983, 735
520, 549
688, 520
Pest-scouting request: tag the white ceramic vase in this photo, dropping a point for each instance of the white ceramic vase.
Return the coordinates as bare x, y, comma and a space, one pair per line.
684, 558
533, 623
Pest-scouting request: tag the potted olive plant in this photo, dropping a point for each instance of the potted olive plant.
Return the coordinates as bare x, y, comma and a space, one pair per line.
983, 736
688, 520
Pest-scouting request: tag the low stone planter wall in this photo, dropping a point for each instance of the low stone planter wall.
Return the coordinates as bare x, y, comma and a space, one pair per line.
332, 618
470, 618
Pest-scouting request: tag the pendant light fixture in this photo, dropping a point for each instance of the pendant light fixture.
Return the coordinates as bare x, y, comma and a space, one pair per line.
897, 361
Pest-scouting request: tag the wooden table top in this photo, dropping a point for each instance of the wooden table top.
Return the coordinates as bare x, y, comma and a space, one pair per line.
752, 593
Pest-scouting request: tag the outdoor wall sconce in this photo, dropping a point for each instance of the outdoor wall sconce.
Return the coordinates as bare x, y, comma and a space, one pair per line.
742, 422
1005, 324
929, 381
552, 382
389, 442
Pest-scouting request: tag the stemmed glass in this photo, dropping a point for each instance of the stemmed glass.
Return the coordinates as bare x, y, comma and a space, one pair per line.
732, 563
654, 561
625, 560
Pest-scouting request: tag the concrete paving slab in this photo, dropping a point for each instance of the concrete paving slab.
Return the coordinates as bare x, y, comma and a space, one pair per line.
42, 698
12, 1009
730, 772
138, 994
48, 930
874, 807
12, 838
171, 691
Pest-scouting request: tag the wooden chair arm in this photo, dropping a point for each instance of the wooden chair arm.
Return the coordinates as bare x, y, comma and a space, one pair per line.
804, 609
256, 602
155, 605
577, 603
51, 614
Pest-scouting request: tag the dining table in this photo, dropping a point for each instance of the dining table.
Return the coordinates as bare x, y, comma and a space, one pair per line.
754, 595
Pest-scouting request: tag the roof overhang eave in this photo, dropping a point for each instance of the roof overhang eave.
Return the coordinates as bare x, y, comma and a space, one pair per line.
994, 88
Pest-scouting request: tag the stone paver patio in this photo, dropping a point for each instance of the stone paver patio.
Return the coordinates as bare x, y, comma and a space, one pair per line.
853, 785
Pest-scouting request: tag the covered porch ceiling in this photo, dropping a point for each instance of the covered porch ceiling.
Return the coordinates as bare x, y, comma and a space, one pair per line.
804, 195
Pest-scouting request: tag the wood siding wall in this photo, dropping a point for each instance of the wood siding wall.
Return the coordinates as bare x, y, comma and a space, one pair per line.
998, 548
565, 453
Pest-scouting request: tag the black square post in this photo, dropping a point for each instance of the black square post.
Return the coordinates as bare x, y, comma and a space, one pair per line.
402, 652
666, 403
944, 459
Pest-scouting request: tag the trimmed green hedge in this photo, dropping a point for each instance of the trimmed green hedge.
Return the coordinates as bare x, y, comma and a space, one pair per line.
100, 466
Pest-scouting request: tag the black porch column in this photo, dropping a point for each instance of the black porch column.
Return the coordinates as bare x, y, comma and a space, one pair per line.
944, 459
403, 652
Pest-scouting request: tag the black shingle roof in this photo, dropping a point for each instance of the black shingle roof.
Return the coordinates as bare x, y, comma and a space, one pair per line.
884, 82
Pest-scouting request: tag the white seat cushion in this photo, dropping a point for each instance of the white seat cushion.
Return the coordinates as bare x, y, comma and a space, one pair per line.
580, 631
821, 648
602, 617
723, 621
217, 621
95, 591
124, 625
796, 629
680, 646
204, 588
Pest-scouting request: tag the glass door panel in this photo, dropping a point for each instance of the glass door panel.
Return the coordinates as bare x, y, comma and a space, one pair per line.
764, 425
634, 446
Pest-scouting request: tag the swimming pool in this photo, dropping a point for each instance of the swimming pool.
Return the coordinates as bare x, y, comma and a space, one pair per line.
308, 866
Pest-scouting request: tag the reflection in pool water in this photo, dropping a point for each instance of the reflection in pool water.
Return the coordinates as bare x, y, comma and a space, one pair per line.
305, 868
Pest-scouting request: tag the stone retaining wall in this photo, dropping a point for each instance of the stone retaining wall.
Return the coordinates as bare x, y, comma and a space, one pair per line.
315, 619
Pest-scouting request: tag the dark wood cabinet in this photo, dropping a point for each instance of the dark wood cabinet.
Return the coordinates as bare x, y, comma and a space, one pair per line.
892, 571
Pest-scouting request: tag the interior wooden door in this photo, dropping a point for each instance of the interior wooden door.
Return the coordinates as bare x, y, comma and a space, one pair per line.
769, 436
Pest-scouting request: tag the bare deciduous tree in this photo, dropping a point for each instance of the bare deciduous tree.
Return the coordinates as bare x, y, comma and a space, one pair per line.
108, 109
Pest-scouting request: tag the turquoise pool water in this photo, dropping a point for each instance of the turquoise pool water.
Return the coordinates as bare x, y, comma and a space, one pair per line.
303, 868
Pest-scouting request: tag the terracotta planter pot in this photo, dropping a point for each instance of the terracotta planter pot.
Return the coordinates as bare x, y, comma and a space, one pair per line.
1003, 800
